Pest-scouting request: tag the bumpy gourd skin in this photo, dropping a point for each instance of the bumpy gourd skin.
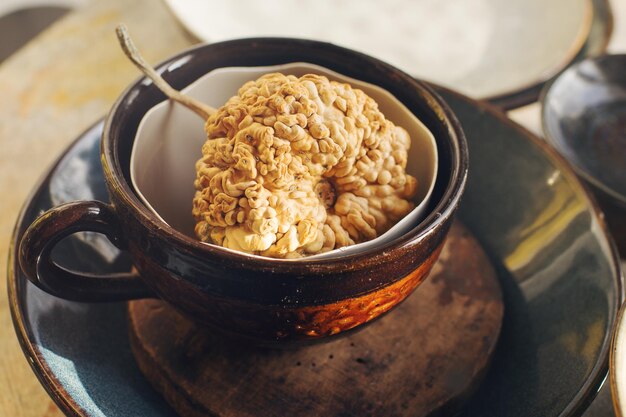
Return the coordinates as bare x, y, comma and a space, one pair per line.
299, 166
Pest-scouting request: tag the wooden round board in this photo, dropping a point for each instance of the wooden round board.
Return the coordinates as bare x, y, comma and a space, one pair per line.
425, 358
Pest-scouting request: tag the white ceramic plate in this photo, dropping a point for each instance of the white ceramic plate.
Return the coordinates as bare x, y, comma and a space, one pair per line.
618, 363
483, 48
170, 137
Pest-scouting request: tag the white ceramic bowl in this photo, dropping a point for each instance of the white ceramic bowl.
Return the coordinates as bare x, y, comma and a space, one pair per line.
169, 141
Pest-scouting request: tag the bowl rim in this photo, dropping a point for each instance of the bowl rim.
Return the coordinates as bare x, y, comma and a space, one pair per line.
551, 136
442, 211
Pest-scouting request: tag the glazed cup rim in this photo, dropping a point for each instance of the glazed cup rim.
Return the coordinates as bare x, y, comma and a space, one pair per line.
443, 209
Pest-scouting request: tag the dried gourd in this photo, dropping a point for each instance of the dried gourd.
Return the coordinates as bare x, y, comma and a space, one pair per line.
299, 166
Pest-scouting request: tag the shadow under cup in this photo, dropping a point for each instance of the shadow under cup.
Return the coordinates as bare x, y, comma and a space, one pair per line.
263, 299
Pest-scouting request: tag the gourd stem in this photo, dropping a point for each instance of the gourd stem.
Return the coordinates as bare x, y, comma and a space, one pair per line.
201, 109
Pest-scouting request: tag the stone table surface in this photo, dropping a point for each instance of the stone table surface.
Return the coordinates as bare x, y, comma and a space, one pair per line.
57, 86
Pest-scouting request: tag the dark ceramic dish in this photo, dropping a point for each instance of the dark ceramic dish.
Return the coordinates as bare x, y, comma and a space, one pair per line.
584, 118
559, 275
268, 300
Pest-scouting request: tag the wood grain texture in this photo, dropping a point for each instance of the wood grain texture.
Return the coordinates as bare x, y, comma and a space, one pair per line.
52, 90
423, 359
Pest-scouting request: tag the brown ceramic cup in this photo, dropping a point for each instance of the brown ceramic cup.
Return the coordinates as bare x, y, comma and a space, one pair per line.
258, 298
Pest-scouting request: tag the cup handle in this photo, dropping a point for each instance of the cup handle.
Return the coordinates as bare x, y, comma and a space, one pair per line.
59, 222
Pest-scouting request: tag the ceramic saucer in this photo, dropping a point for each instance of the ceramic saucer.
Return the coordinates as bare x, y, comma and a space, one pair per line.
557, 267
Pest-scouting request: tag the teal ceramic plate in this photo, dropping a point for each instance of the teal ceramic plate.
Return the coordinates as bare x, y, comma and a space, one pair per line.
558, 270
